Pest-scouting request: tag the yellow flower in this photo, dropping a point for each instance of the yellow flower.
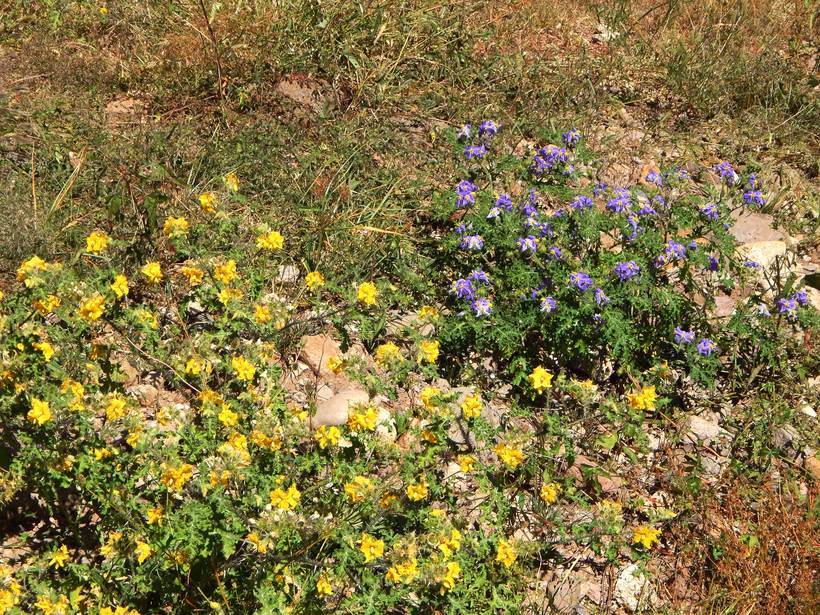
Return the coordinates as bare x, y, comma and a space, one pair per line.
510, 456
471, 406
505, 553
45, 348
232, 181
109, 548
228, 417
92, 308
143, 551
359, 488
367, 293
262, 314
327, 436
257, 542
155, 515
363, 420
465, 463
59, 557
194, 274
175, 479
335, 364
40, 412
428, 395
549, 492
646, 536
285, 500
417, 491
226, 272
152, 272
226, 295
97, 242
207, 200
271, 241
323, 586
403, 572
27, 269
428, 313
371, 548
133, 437
314, 280
175, 227
115, 409
243, 368
101, 453
449, 544
540, 379
643, 400
448, 579
120, 286
428, 351
47, 305
386, 354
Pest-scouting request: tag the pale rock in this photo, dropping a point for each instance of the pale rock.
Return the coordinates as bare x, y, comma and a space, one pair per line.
764, 253
335, 410
699, 429
714, 465
812, 465
288, 274
629, 587
808, 411
385, 425
784, 436
751, 226
459, 434
316, 350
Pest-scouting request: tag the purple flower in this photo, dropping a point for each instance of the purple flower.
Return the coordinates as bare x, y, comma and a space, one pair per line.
801, 297
572, 137
475, 151
463, 289
548, 305
674, 250
653, 177
599, 189
647, 210
555, 253
464, 133
620, 202
632, 220
581, 203
529, 210
753, 183
504, 201
627, 270
493, 213
462, 228
600, 297
472, 242
706, 347
684, 337
693, 246
477, 275
754, 197
787, 306
488, 128
751, 264
726, 172
580, 280
482, 306
466, 193
545, 229
549, 158
762, 310
528, 243
710, 211
713, 263
659, 201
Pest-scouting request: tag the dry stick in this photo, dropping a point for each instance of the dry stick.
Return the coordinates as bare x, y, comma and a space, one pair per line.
217, 57
33, 190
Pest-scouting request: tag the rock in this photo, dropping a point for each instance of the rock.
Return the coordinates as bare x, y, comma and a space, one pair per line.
459, 434
812, 465
784, 436
808, 411
753, 226
567, 590
385, 426
316, 350
629, 587
714, 465
610, 485
145, 394
699, 429
764, 253
335, 410
288, 274
813, 296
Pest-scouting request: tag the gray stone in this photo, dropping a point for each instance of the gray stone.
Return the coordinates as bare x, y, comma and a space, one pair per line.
629, 587
784, 436
335, 410
288, 274
459, 434
753, 226
699, 429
